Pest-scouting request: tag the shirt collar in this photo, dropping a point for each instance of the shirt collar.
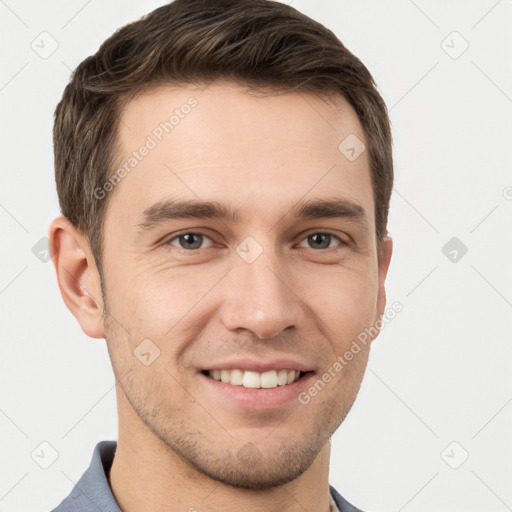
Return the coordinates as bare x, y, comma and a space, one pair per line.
92, 492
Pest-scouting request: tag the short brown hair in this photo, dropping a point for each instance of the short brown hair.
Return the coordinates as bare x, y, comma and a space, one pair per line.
260, 44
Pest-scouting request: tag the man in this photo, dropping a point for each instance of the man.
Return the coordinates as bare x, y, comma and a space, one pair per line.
248, 131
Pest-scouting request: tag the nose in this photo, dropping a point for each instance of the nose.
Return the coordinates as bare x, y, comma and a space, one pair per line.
261, 297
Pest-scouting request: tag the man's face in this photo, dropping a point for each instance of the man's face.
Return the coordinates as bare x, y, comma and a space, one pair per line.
270, 284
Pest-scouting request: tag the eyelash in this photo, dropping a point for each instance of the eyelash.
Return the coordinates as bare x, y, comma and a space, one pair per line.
342, 243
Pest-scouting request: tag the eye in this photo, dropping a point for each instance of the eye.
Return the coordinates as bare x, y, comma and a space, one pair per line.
189, 241
322, 240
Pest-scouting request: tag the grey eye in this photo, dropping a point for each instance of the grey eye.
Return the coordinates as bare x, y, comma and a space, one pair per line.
321, 240
190, 241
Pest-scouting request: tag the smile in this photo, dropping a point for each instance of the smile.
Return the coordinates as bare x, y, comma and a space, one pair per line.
251, 379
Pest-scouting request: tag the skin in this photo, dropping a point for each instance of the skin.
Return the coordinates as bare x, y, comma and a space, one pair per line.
180, 445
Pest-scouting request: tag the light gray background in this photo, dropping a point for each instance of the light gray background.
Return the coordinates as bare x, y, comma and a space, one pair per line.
439, 372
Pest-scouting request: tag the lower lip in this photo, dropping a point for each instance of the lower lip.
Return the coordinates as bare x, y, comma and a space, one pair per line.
259, 398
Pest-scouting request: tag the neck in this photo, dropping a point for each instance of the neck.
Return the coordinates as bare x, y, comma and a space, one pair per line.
147, 475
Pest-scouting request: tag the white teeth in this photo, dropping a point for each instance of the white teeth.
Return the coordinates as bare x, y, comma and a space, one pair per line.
282, 377
236, 377
269, 379
249, 379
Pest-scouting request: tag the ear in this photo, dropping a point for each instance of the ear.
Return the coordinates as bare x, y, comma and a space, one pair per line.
77, 275
383, 261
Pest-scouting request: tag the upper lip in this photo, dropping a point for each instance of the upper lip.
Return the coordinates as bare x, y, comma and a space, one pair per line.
260, 366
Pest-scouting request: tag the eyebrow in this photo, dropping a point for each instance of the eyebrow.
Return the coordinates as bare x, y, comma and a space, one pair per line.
166, 210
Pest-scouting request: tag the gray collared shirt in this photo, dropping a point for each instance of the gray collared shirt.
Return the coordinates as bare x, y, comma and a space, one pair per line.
92, 492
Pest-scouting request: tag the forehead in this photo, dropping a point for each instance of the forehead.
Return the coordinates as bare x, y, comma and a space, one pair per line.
255, 153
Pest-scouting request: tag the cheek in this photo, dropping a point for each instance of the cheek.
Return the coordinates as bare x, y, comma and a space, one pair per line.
345, 301
141, 295
167, 297
160, 305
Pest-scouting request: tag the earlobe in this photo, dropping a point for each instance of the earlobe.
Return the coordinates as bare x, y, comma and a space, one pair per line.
77, 276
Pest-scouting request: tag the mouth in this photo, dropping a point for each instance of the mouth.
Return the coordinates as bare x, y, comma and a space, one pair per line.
256, 380
234, 389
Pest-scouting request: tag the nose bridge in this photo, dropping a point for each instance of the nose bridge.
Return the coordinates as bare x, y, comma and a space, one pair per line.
259, 297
